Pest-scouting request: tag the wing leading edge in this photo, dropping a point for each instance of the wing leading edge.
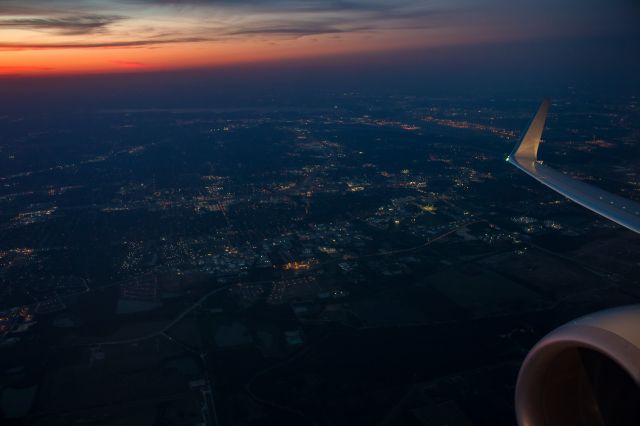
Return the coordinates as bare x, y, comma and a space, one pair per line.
525, 157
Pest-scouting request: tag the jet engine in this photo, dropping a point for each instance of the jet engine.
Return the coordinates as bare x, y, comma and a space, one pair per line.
584, 373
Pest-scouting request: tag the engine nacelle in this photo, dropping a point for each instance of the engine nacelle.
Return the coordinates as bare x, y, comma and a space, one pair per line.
584, 373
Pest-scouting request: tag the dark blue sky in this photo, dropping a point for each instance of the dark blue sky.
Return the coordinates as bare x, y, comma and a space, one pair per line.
194, 50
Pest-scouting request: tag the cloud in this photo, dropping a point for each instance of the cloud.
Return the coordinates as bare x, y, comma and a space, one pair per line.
294, 30
24, 68
371, 20
137, 23
13, 10
338, 9
234, 19
129, 64
277, 5
105, 45
68, 25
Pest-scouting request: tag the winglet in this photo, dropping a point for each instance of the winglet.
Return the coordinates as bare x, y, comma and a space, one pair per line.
526, 150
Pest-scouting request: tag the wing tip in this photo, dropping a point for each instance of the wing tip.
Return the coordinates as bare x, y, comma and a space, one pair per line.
527, 146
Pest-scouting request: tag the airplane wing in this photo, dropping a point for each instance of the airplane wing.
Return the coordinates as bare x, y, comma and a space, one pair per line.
525, 157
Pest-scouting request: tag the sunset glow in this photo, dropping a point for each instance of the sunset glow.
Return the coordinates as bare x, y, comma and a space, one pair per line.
62, 37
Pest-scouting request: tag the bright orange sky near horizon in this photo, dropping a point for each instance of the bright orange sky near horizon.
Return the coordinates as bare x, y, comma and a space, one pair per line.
104, 36
198, 54
186, 54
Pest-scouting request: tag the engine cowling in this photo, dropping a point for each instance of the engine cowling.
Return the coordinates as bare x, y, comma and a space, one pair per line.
584, 373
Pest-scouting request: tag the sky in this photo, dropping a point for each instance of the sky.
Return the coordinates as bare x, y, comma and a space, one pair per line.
65, 37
